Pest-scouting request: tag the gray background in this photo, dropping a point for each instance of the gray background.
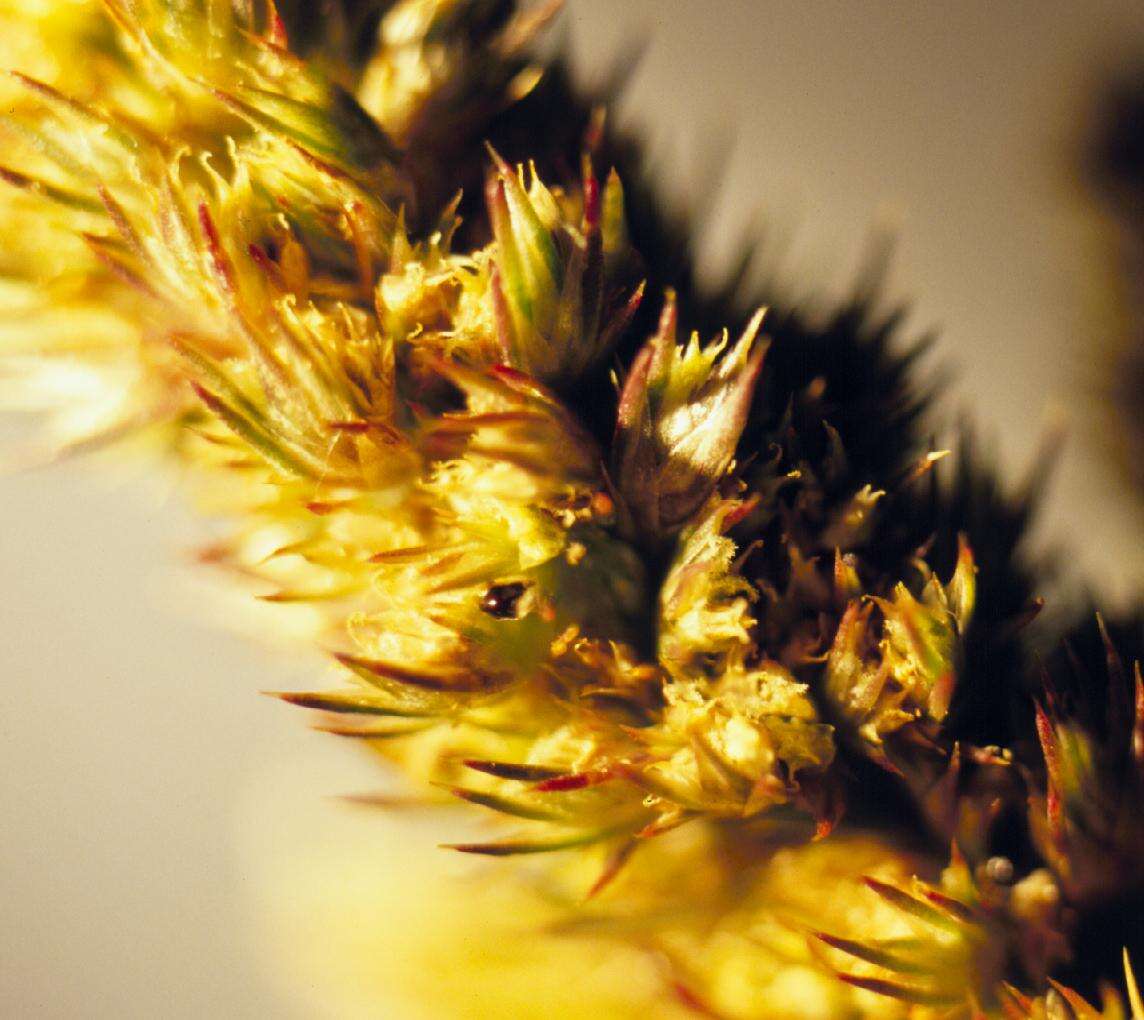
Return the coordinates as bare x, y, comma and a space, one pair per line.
145, 786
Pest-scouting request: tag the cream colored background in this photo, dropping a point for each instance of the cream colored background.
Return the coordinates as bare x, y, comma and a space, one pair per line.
144, 786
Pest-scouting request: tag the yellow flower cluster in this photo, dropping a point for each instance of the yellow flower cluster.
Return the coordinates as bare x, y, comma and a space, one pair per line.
207, 238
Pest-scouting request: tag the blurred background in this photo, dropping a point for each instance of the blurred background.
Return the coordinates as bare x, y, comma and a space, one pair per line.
170, 843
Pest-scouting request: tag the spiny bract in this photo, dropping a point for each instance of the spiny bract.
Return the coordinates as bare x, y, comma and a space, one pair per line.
251, 253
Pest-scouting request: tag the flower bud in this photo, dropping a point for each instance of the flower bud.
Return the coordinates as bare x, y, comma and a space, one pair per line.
906, 674
554, 279
682, 410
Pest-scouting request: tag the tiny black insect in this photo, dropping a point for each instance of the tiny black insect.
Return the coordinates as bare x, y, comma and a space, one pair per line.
501, 599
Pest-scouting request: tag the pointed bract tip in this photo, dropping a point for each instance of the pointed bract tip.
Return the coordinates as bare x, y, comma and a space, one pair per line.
502, 166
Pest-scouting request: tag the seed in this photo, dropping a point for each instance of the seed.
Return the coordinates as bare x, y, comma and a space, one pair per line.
501, 599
